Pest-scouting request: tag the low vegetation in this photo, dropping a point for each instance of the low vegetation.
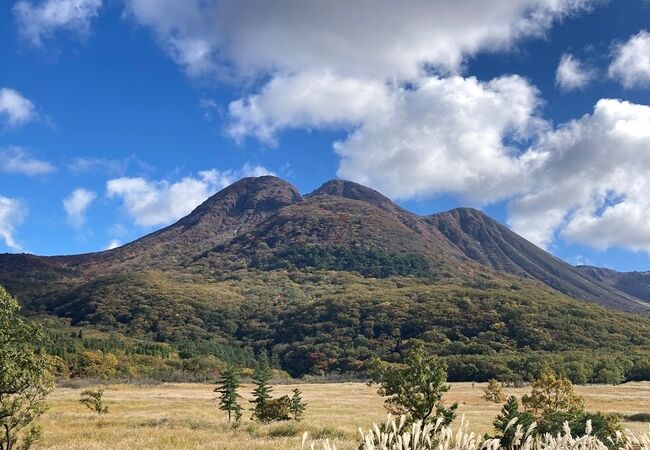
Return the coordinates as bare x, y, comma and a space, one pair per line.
94, 400
395, 434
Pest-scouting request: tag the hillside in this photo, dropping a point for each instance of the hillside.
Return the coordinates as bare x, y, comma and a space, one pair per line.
636, 284
325, 280
265, 223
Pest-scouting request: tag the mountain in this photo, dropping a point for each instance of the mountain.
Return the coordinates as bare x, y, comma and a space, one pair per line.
636, 284
326, 280
264, 223
486, 241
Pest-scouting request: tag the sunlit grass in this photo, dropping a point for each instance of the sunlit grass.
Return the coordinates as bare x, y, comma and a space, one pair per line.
185, 416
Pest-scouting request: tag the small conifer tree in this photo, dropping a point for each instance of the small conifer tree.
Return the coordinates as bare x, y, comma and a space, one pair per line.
262, 391
298, 407
94, 400
228, 384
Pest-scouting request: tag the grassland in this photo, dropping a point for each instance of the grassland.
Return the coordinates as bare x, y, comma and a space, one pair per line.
185, 416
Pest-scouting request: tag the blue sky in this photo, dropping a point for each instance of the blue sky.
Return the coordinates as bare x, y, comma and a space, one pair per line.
118, 116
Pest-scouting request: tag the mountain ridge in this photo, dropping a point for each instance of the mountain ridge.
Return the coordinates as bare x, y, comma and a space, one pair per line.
266, 222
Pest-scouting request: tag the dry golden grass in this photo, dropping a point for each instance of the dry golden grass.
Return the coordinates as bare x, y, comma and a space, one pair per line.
185, 416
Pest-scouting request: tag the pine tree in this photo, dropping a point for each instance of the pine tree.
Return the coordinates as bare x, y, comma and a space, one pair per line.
297, 405
228, 396
510, 411
262, 391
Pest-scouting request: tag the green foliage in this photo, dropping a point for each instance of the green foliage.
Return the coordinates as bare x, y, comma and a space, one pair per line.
414, 388
24, 378
638, 417
274, 409
493, 391
94, 400
297, 407
504, 425
369, 262
262, 390
228, 384
551, 394
552, 404
321, 322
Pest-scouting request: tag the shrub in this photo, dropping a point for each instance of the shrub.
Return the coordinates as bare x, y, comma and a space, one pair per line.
638, 417
94, 401
275, 409
494, 392
551, 394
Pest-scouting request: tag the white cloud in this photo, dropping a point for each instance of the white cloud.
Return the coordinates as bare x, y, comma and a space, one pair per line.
113, 244
352, 38
151, 203
12, 213
631, 63
304, 101
572, 74
441, 135
76, 205
40, 20
15, 109
591, 186
17, 160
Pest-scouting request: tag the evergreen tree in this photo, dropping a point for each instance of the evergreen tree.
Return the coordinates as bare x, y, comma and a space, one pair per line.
262, 391
297, 405
510, 411
228, 396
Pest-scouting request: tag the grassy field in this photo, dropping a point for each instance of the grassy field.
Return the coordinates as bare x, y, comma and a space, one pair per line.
185, 416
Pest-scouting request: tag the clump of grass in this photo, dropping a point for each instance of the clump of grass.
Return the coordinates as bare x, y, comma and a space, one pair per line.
199, 424
285, 430
155, 423
329, 433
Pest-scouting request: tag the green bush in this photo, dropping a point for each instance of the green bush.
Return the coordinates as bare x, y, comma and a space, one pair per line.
638, 417
275, 409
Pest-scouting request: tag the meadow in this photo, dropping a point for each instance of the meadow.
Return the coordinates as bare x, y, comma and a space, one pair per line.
185, 416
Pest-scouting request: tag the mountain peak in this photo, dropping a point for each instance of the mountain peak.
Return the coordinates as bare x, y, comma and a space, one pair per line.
253, 194
355, 191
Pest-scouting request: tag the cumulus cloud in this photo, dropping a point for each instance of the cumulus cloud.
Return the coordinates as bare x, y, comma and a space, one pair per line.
306, 100
572, 74
18, 160
40, 20
441, 135
76, 205
16, 110
348, 38
591, 185
12, 213
631, 63
151, 203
